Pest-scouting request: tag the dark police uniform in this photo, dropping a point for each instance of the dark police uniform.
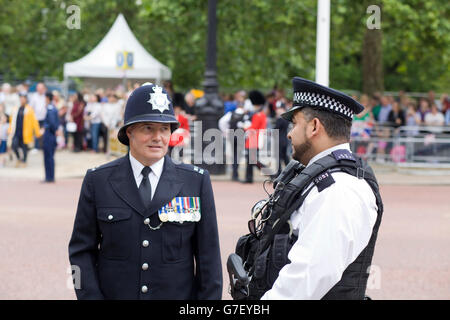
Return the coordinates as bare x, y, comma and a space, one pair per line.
51, 123
168, 250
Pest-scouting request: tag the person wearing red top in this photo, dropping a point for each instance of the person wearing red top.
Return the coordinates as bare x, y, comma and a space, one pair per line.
179, 136
259, 122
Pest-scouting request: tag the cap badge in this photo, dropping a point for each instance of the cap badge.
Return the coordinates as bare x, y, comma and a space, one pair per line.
158, 99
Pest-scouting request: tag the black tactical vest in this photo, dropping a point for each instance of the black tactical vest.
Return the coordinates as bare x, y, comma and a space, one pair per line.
264, 256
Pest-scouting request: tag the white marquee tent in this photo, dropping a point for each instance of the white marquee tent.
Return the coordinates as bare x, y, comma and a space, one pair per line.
101, 66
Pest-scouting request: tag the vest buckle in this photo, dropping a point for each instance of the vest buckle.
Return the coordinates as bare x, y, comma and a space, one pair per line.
360, 173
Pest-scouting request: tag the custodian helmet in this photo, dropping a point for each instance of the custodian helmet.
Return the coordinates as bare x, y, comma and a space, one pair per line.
148, 103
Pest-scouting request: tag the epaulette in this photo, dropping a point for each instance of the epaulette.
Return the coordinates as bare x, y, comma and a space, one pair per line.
106, 165
199, 170
190, 167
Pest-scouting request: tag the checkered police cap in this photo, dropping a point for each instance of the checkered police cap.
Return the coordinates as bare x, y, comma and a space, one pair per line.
311, 94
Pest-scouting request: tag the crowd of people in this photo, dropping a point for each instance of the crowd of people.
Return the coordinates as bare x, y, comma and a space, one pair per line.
404, 110
86, 119
386, 117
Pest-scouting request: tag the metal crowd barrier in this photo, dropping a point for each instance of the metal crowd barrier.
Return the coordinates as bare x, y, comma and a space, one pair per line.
425, 145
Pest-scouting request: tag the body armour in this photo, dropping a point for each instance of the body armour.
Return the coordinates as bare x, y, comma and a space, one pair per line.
264, 253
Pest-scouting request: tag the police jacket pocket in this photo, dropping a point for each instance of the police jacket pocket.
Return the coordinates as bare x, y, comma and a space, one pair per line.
177, 241
115, 228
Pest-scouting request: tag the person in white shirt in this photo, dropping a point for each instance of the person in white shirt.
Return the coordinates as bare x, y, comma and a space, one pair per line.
9, 99
37, 102
435, 117
337, 223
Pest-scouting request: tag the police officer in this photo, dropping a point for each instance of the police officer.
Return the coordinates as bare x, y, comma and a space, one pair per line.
145, 227
322, 220
50, 126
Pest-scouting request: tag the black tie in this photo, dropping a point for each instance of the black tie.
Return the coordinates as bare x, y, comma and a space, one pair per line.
145, 189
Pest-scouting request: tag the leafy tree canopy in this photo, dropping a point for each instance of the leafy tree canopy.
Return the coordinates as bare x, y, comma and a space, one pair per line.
260, 42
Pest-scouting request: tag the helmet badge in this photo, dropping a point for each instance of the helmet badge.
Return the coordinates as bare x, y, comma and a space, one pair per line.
158, 99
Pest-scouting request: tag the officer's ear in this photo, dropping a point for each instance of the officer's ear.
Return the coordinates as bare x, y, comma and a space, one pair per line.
314, 127
129, 131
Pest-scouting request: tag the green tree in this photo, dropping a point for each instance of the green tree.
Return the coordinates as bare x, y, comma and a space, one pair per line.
260, 42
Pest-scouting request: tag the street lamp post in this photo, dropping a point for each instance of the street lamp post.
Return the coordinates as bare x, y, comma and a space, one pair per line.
210, 107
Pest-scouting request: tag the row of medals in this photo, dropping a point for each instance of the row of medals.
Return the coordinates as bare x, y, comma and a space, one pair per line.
189, 215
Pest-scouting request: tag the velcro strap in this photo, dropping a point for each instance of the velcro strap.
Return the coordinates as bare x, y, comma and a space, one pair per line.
260, 265
280, 250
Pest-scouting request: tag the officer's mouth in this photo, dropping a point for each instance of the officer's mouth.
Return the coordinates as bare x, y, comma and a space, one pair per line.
154, 147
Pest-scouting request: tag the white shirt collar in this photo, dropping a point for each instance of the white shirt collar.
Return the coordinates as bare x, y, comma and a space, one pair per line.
137, 167
326, 152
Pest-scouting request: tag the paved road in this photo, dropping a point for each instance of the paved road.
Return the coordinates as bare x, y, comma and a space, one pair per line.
412, 257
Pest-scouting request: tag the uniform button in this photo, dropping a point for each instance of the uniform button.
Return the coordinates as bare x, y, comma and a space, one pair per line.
144, 289
145, 266
110, 217
147, 221
145, 243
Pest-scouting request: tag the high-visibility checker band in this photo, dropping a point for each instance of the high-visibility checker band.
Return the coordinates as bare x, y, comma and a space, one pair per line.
323, 101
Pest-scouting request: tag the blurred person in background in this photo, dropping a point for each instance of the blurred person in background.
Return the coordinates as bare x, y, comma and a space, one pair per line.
23, 88
93, 115
231, 125
362, 127
412, 119
424, 109
104, 116
386, 107
282, 125
3, 138
189, 98
366, 115
435, 117
113, 111
382, 131
376, 105
62, 108
37, 102
22, 125
58, 102
111, 115
280, 99
9, 98
49, 128
396, 116
252, 132
77, 114
229, 103
271, 108
87, 135
432, 100
445, 103
447, 117
239, 98
181, 135
404, 100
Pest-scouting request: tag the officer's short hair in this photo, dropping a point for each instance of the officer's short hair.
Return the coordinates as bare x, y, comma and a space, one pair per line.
336, 127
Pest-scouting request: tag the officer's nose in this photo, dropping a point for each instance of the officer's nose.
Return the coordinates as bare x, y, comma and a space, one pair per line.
156, 136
